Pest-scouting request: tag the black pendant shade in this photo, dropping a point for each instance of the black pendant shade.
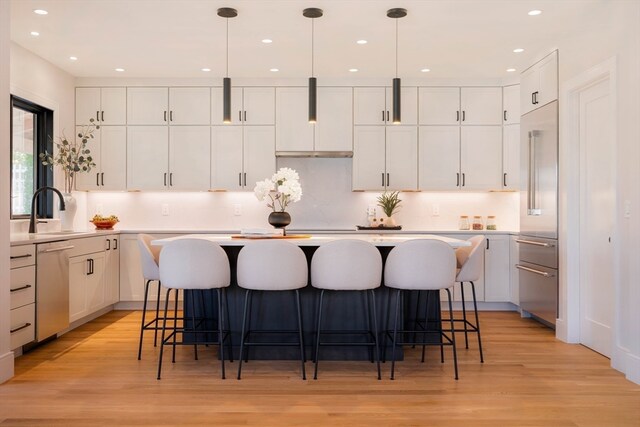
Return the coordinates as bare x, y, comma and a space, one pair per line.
313, 102
397, 87
312, 13
227, 12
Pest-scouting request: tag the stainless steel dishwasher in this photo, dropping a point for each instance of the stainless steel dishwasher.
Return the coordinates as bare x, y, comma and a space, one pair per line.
52, 288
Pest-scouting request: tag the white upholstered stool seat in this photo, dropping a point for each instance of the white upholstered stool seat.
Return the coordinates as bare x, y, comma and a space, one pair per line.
270, 266
149, 258
348, 265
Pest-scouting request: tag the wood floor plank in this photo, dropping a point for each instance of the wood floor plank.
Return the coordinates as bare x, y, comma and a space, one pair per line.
90, 376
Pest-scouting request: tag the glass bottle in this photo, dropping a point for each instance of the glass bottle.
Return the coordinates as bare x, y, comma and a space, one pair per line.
463, 223
491, 223
477, 223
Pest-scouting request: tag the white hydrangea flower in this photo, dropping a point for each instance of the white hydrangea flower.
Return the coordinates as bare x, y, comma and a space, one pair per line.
285, 182
285, 174
263, 188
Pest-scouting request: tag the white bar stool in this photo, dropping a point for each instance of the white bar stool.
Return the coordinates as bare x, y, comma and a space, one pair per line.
149, 257
348, 265
194, 265
271, 266
422, 264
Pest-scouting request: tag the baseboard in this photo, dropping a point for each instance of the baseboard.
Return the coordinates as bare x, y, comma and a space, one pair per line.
6, 366
633, 368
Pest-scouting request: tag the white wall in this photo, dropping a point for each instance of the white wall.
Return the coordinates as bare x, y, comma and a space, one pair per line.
6, 356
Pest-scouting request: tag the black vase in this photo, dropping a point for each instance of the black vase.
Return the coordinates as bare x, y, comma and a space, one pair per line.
280, 220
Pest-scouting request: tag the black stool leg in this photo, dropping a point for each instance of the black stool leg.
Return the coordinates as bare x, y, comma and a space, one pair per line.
453, 334
395, 335
228, 323
367, 311
193, 322
475, 308
415, 317
155, 324
426, 320
246, 354
144, 312
318, 328
220, 332
175, 322
302, 356
464, 316
164, 328
372, 313
244, 326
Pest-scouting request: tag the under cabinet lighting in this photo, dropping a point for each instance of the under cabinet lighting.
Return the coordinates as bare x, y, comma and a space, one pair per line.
518, 50
73, 58
510, 70
425, 70
274, 70
206, 70
40, 12
534, 12
34, 33
361, 42
353, 70
267, 41
120, 70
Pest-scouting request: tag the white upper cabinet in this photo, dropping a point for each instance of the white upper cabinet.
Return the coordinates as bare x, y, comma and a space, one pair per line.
481, 157
189, 105
439, 158
539, 83
216, 106
369, 158
408, 105
259, 104
147, 106
226, 158
91, 180
189, 157
481, 105
147, 157
259, 161
511, 157
439, 105
511, 104
106, 106
334, 128
369, 106
109, 152
401, 158
294, 132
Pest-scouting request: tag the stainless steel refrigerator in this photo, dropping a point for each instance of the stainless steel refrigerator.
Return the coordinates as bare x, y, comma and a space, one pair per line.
538, 239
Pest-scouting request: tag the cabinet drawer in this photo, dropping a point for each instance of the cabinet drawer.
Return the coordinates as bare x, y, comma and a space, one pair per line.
87, 245
23, 286
23, 255
23, 325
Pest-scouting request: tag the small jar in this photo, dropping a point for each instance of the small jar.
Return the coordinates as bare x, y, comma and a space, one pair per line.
477, 223
491, 223
463, 223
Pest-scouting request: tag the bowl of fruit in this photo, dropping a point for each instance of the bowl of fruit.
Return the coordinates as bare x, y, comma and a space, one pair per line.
104, 222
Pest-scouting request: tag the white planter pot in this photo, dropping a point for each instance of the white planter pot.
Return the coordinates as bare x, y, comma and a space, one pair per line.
68, 215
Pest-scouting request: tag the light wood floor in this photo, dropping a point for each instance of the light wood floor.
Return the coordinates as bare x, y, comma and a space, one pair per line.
90, 376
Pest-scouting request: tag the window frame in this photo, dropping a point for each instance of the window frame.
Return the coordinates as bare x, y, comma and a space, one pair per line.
43, 141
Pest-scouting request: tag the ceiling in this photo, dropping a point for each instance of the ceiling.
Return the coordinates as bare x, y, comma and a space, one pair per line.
177, 38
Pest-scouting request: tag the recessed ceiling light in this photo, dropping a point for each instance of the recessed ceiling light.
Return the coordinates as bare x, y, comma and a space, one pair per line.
534, 12
73, 58
274, 70
353, 70
206, 70
35, 33
425, 70
267, 41
120, 70
40, 12
510, 70
361, 42
518, 50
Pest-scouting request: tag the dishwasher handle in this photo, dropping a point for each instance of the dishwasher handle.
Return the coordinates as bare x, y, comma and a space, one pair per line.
62, 248
534, 271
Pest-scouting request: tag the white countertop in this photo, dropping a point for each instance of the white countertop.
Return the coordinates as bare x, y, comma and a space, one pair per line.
317, 240
18, 239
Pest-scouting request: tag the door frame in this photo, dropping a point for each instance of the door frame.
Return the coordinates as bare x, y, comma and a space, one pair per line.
571, 198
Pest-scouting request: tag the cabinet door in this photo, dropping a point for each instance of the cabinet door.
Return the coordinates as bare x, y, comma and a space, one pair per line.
90, 180
369, 106
95, 284
189, 105
147, 105
548, 80
259, 105
293, 130
369, 158
439, 158
78, 270
216, 106
408, 105
511, 157
439, 105
402, 158
334, 129
113, 106
226, 157
259, 156
511, 105
496, 269
481, 157
113, 158
529, 81
514, 273
189, 157
112, 270
87, 105
481, 105
147, 157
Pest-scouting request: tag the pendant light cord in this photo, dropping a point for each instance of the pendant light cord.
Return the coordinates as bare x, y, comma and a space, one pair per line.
312, 46
227, 75
396, 48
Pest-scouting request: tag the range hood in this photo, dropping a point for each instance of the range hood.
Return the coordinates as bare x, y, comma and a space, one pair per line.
322, 154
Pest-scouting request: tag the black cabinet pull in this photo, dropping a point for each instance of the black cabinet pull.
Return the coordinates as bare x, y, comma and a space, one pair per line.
97, 179
457, 116
387, 179
463, 179
537, 102
245, 179
505, 115
165, 116
487, 244
245, 115
504, 179
108, 244
102, 116
387, 115
89, 266
20, 256
171, 179
21, 288
383, 115
102, 178
240, 116
533, 98
165, 179
26, 325
458, 179
240, 179
464, 115
382, 178
171, 115
115, 244
97, 116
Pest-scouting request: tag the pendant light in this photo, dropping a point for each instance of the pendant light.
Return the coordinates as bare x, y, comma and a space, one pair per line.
312, 13
227, 12
396, 14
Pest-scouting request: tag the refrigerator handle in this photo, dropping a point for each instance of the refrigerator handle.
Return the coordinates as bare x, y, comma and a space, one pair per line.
532, 209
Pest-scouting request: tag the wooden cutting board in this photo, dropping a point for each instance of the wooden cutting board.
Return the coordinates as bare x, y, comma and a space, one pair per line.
258, 237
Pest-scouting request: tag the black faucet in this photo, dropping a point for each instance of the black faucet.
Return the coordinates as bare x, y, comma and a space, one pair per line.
32, 219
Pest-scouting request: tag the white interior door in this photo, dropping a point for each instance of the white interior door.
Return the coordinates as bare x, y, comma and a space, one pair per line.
597, 210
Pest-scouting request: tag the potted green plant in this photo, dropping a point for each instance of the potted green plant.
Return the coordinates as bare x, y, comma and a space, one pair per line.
390, 204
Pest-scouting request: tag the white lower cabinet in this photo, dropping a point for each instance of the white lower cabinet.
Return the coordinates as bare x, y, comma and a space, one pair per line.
22, 287
497, 268
514, 273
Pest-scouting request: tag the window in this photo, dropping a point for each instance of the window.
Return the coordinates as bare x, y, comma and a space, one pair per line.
31, 134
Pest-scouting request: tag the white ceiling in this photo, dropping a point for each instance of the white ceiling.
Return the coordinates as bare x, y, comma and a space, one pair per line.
176, 38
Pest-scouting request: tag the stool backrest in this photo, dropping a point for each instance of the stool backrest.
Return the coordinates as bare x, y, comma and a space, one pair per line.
194, 264
346, 265
273, 265
420, 264
149, 257
470, 260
